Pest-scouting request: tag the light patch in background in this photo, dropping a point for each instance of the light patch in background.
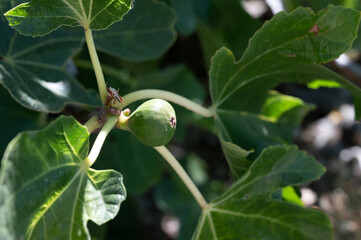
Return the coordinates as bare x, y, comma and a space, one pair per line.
350, 153
343, 60
170, 225
255, 8
264, 130
276, 6
329, 129
348, 61
197, 169
335, 201
348, 115
60, 88
337, 204
71, 67
308, 197
324, 130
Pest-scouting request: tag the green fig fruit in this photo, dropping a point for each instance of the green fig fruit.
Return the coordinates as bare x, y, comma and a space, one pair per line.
153, 123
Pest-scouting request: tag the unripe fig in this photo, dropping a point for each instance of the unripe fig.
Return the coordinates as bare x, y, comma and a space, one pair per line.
153, 123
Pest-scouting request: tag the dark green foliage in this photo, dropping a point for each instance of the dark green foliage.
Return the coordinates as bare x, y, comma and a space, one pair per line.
49, 191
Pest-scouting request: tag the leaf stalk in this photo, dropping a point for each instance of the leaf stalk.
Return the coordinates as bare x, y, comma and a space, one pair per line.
99, 141
169, 96
172, 161
92, 124
96, 65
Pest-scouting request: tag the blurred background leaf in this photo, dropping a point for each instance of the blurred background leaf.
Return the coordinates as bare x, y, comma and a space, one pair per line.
146, 32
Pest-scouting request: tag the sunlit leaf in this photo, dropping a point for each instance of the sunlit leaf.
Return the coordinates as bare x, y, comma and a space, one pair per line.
290, 195
47, 190
323, 83
40, 17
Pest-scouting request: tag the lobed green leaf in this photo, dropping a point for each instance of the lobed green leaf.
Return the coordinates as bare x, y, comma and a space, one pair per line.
318, 5
40, 17
248, 202
246, 115
47, 190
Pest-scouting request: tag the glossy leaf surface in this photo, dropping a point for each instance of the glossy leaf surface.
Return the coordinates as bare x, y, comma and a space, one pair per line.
32, 69
40, 17
248, 206
145, 33
47, 190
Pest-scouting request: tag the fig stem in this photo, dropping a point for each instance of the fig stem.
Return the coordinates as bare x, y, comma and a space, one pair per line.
172, 161
96, 65
122, 122
168, 96
99, 141
92, 124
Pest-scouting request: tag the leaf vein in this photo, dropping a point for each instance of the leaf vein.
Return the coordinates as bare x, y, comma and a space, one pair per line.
80, 19
300, 171
36, 220
37, 64
70, 145
44, 43
105, 7
75, 202
272, 220
10, 197
214, 233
